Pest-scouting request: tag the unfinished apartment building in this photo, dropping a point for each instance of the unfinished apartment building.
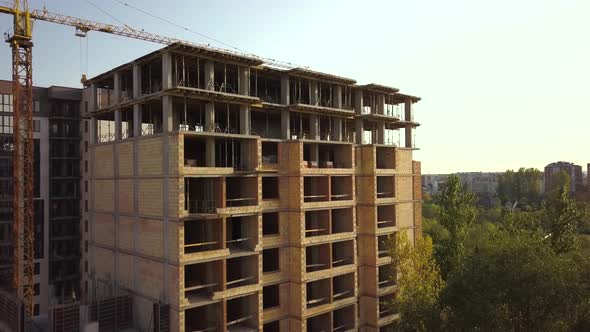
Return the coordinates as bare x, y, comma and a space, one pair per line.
225, 194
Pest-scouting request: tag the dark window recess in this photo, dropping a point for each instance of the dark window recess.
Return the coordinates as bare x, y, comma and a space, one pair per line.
272, 326
270, 187
86, 123
270, 223
36, 310
85, 165
86, 186
270, 296
85, 146
270, 260
85, 205
85, 246
86, 226
85, 266
37, 268
36, 290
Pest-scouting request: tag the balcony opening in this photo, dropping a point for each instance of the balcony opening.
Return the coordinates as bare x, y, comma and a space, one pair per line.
241, 233
317, 257
270, 152
236, 153
195, 152
204, 318
270, 296
382, 246
126, 123
202, 280
387, 275
188, 71
242, 271
105, 127
241, 191
385, 216
226, 78
202, 195
315, 189
318, 293
341, 188
270, 223
151, 118
317, 223
270, 260
327, 94
105, 92
385, 158
344, 319
202, 235
388, 327
272, 326
342, 220
227, 118
299, 91
151, 77
265, 86
270, 187
320, 323
126, 84
242, 313
385, 187
385, 305
343, 287
342, 253
335, 156
266, 124
300, 126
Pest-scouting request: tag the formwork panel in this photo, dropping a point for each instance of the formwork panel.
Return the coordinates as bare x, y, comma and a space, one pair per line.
104, 154
151, 193
151, 237
125, 159
104, 195
126, 196
149, 156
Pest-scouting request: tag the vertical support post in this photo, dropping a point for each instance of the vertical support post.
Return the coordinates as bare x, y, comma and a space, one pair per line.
286, 124
136, 80
314, 127
210, 152
209, 75
167, 114
118, 125
137, 120
408, 118
244, 119
337, 96
358, 109
93, 99
380, 104
314, 95
93, 130
337, 129
285, 93
380, 133
244, 81
167, 71
116, 88
210, 117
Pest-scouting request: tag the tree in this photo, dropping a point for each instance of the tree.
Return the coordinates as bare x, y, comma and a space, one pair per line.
558, 182
457, 212
518, 284
419, 283
561, 220
522, 186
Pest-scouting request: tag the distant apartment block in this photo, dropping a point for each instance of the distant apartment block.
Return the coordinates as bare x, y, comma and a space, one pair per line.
224, 194
480, 183
574, 172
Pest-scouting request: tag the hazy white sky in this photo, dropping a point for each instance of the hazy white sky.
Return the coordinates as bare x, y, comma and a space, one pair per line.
504, 84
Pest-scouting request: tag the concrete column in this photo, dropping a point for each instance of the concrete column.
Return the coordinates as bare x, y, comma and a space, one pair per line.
408, 129
314, 127
285, 87
210, 152
167, 114
167, 71
244, 81
358, 102
136, 120
244, 119
314, 153
314, 98
337, 129
210, 117
93, 130
337, 96
93, 99
136, 81
209, 75
285, 124
380, 133
380, 104
359, 128
116, 88
118, 125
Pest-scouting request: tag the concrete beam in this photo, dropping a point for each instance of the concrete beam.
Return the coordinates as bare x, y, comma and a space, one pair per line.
167, 71
209, 75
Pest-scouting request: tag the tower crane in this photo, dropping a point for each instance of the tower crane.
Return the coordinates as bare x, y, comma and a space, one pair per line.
23, 155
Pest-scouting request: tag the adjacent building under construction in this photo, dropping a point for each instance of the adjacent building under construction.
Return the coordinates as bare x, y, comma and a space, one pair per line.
225, 194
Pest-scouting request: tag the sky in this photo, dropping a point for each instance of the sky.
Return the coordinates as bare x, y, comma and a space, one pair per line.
504, 84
